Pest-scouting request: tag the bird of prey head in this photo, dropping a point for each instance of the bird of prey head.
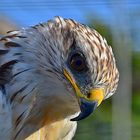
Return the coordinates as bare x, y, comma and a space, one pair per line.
55, 71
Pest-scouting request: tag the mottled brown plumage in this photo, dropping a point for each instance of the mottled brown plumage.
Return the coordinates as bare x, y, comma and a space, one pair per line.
45, 70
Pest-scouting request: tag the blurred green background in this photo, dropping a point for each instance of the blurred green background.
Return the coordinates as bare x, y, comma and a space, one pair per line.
117, 118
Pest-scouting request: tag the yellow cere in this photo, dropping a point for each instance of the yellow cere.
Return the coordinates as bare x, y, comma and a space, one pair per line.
96, 94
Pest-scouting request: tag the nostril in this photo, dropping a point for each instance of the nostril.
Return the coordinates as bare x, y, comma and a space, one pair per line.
89, 95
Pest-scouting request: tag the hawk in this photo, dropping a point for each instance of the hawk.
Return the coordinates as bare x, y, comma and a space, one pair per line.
51, 76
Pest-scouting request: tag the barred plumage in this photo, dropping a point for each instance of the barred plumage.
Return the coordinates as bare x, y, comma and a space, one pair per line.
36, 95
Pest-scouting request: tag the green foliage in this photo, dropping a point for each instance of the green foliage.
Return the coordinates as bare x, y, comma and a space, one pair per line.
136, 62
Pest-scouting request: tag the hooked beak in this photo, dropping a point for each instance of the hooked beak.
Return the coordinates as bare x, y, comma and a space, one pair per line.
88, 103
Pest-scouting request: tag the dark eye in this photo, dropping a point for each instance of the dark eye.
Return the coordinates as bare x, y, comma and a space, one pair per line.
78, 62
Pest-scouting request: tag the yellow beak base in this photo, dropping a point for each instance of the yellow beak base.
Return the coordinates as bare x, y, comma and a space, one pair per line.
96, 94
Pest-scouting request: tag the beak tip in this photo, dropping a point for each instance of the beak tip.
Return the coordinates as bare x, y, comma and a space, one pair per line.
87, 107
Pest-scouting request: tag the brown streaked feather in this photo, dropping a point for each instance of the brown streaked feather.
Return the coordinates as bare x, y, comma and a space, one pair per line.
17, 92
3, 52
6, 64
5, 72
12, 44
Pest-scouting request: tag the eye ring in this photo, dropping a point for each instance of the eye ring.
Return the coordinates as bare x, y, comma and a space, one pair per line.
77, 62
